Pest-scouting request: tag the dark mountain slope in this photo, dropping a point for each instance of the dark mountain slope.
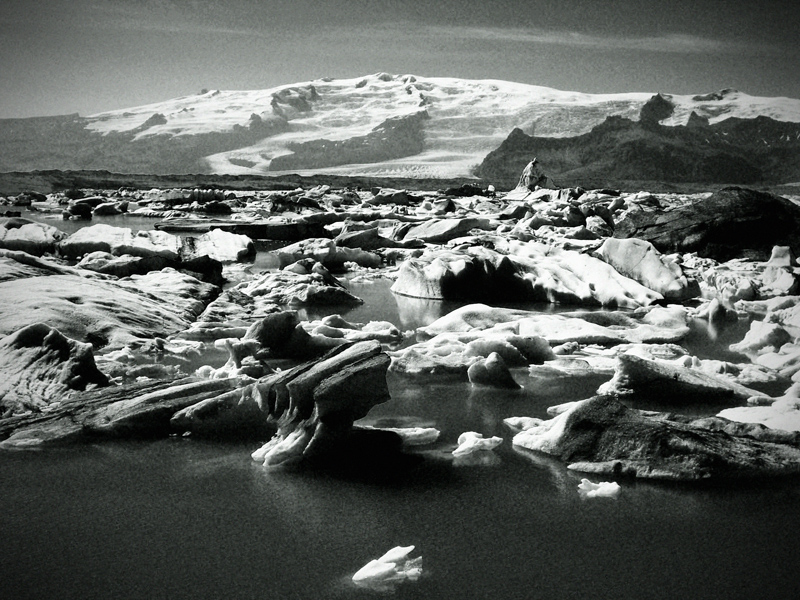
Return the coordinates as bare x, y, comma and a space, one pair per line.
741, 151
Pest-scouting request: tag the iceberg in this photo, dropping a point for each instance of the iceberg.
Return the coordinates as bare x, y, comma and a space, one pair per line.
391, 568
604, 489
469, 442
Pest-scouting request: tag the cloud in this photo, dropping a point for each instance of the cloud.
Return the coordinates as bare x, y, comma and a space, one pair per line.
673, 43
249, 18
159, 16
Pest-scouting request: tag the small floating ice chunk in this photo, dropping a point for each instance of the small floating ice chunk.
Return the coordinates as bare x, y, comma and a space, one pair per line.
374, 570
604, 489
414, 436
470, 441
392, 567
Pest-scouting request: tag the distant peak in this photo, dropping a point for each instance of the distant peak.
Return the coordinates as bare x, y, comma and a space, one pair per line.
405, 78
659, 107
716, 96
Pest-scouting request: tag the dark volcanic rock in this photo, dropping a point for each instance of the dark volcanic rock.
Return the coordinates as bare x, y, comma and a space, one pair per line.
732, 222
696, 120
656, 109
396, 137
601, 435
733, 151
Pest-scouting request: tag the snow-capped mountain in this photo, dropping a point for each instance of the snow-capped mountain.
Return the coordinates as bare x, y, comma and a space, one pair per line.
379, 125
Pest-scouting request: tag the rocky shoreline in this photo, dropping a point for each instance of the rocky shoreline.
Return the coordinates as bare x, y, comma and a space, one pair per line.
104, 331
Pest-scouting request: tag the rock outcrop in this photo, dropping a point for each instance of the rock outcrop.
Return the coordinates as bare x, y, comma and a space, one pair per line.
731, 151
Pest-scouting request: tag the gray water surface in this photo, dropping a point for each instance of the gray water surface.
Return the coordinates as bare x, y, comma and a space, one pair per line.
188, 518
182, 518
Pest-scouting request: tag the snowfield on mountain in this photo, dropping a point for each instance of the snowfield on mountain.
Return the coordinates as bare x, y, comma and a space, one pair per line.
400, 125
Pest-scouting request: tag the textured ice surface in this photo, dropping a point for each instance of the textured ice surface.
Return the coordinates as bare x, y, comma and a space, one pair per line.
393, 567
604, 489
470, 441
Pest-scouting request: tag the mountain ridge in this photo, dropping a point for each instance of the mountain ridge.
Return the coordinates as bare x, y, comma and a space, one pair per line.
380, 125
743, 151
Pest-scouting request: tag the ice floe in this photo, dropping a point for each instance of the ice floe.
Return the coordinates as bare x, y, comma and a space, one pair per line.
604, 489
471, 441
390, 569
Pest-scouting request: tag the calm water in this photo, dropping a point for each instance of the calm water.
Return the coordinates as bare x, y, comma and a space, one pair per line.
187, 518
134, 222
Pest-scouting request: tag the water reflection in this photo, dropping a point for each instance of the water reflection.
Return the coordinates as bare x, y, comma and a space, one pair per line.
133, 222
563, 479
481, 458
420, 312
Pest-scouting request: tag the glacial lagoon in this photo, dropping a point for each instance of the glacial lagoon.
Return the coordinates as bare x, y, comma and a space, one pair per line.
191, 518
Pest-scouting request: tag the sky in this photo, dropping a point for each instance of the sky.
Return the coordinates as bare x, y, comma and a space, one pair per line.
88, 56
